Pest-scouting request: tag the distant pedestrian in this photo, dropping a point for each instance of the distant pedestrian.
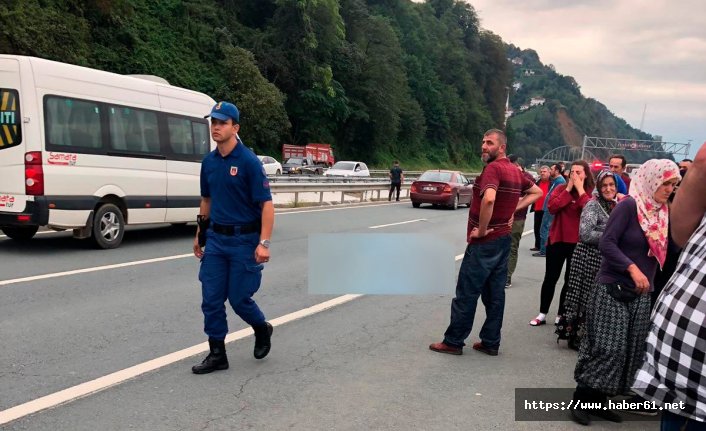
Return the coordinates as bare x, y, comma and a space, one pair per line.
496, 196
518, 225
236, 216
617, 164
543, 183
396, 180
676, 345
556, 176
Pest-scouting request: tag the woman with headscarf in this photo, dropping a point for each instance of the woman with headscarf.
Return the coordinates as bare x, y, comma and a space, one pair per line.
586, 260
633, 245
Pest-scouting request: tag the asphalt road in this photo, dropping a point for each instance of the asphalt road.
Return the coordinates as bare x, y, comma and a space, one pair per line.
364, 364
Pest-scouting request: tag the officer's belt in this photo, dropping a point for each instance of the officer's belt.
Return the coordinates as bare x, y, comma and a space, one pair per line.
231, 230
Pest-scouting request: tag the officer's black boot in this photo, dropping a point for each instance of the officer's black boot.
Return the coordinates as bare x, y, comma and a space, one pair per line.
262, 340
216, 360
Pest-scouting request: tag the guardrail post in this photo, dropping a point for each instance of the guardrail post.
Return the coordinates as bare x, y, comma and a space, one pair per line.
378, 194
343, 197
296, 199
321, 198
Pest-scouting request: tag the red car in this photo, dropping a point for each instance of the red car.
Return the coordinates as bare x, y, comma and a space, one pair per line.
448, 188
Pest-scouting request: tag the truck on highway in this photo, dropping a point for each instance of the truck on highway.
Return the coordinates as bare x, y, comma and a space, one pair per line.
319, 154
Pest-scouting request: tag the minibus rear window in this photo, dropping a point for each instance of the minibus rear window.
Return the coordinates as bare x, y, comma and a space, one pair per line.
10, 130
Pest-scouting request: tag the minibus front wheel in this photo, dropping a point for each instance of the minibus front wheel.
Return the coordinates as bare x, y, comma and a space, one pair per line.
20, 233
108, 226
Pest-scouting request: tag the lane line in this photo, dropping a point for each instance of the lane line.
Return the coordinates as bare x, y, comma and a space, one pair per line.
118, 377
293, 211
93, 269
42, 232
398, 223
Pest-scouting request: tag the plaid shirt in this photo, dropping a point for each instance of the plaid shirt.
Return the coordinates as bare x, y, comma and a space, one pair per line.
675, 363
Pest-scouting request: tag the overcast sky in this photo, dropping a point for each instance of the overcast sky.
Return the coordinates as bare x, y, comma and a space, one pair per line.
624, 53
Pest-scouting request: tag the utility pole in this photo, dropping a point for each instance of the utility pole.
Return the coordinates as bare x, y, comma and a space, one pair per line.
642, 121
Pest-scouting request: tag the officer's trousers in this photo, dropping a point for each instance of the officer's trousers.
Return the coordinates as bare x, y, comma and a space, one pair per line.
229, 271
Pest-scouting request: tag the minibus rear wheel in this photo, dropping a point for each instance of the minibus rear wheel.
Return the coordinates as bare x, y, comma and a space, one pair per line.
20, 233
108, 226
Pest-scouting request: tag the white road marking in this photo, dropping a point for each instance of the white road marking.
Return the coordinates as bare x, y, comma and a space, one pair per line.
337, 208
93, 269
398, 223
41, 233
118, 377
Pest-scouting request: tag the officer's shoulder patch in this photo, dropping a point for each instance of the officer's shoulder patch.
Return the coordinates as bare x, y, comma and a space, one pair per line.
266, 184
233, 171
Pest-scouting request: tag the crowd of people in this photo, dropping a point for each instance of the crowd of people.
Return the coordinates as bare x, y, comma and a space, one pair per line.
633, 301
614, 236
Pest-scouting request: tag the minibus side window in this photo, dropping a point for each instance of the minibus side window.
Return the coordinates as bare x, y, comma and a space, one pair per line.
10, 128
181, 139
133, 130
73, 123
202, 143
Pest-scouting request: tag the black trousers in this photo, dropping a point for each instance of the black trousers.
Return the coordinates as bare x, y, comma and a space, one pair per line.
394, 186
557, 253
537, 227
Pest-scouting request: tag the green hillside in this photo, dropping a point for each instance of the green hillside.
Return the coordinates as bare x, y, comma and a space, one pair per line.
566, 115
377, 79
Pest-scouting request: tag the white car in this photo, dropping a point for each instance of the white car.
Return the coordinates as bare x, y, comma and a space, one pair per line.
348, 169
272, 166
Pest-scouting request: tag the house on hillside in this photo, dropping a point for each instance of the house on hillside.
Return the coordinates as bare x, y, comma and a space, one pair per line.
524, 107
537, 101
528, 72
517, 86
517, 60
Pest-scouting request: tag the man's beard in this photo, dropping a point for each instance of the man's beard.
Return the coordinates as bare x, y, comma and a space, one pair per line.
489, 157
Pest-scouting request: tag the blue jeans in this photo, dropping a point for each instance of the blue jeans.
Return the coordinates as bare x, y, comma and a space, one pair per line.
544, 231
674, 422
483, 273
229, 271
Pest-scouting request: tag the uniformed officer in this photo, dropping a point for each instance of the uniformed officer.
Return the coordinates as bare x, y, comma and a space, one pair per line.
237, 215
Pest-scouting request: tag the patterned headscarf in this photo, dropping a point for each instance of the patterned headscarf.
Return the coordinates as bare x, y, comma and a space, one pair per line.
653, 216
606, 204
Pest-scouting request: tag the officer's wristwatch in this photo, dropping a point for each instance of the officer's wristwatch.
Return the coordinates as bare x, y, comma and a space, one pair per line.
265, 243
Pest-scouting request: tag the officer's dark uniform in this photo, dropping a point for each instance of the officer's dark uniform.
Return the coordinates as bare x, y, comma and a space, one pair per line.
237, 185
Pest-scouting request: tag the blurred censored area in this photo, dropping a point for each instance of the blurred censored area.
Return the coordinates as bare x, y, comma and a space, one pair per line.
384, 264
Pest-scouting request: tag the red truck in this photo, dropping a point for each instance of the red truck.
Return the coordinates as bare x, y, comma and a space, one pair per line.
321, 154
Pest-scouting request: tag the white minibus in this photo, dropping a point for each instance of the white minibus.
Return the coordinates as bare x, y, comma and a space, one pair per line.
93, 151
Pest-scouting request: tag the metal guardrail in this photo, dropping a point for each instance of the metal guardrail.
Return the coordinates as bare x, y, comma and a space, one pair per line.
333, 187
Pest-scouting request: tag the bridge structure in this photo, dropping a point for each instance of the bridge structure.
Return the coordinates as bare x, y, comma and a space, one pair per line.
593, 147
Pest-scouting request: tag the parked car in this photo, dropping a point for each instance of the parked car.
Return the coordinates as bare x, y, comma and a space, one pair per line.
272, 166
348, 169
448, 188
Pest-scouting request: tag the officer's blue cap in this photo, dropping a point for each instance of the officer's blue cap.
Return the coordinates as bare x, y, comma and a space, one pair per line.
225, 110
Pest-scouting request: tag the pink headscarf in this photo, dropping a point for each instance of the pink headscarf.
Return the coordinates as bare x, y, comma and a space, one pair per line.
653, 216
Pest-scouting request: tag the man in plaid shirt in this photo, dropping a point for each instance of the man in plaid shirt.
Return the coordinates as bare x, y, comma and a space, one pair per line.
675, 363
